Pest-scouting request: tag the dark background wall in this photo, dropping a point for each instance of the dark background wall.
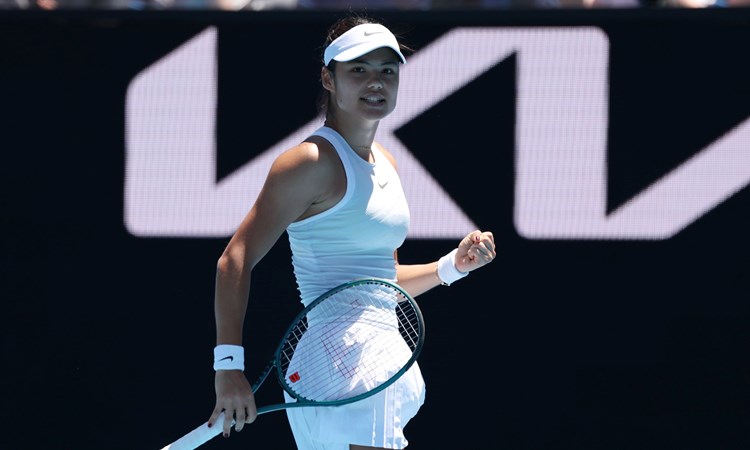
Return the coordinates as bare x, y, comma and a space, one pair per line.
594, 343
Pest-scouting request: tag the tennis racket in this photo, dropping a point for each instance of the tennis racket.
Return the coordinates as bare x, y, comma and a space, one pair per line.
348, 344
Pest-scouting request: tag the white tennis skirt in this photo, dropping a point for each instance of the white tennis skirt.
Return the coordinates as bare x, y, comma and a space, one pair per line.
348, 354
376, 421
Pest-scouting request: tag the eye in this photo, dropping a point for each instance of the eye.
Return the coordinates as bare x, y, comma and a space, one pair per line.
358, 69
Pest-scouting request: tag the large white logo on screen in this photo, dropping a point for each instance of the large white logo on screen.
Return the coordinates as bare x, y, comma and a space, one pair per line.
561, 148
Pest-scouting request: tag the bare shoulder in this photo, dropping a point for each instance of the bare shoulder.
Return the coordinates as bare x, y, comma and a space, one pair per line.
387, 154
310, 156
311, 171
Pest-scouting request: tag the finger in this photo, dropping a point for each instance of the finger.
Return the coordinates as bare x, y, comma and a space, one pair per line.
214, 416
251, 415
490, 246
481, 253
483, 246
228, 415
487, 240
481, 236
470, 238
241, 419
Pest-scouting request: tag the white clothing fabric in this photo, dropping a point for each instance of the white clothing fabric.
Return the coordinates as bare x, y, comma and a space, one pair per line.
354, 239
376, 421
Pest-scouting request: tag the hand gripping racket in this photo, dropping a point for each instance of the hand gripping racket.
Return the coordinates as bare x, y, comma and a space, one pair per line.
348, 344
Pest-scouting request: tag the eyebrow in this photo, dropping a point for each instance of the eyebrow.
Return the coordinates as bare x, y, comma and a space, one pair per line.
365, 61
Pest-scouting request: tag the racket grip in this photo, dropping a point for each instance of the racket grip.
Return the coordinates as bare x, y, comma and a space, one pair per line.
198, 436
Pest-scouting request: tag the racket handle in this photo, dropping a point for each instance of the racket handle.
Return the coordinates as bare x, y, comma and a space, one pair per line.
198, 436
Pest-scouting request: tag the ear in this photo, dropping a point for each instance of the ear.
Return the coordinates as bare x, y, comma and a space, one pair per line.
326, 79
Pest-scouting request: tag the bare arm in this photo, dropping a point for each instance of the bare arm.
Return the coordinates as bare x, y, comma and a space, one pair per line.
474, 251
296, 183
417, 279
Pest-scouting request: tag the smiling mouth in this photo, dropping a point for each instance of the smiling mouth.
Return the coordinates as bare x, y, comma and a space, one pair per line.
373, 100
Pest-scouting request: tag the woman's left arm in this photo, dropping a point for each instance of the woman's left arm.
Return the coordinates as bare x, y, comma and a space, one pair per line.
475, 250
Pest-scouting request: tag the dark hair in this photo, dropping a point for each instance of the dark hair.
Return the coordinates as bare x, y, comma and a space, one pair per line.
340, 27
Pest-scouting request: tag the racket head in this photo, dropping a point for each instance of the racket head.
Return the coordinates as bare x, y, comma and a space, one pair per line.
354, 341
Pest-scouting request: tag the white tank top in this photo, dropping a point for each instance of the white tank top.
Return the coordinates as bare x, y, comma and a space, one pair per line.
356, 237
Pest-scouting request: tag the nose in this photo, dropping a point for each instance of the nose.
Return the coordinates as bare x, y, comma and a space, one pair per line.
375, 83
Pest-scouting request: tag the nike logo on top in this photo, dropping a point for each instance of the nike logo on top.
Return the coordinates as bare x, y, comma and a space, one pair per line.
370, 33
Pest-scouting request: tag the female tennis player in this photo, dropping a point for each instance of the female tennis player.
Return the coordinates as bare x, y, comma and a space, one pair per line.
339, 198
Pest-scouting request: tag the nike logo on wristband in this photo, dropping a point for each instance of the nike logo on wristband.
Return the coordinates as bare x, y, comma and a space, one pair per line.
231, 358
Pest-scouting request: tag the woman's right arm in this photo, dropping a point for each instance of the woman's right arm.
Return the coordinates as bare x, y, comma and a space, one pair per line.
295, 182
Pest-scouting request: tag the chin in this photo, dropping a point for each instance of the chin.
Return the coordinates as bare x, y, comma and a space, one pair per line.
377, 113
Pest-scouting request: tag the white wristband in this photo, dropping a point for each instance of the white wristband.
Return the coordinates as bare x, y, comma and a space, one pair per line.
446, 269
229, 357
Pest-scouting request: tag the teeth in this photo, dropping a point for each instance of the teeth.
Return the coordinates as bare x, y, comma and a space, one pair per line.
372, 99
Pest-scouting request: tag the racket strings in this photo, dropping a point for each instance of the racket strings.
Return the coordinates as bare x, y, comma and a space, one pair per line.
369, 333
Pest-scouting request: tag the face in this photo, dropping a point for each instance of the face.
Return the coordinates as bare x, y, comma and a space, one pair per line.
367, 86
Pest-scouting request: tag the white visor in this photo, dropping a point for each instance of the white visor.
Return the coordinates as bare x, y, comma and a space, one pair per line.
360, 40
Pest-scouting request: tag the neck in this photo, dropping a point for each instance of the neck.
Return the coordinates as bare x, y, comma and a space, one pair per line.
358, 135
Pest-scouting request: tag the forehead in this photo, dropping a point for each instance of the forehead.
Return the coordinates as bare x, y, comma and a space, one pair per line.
383, 55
